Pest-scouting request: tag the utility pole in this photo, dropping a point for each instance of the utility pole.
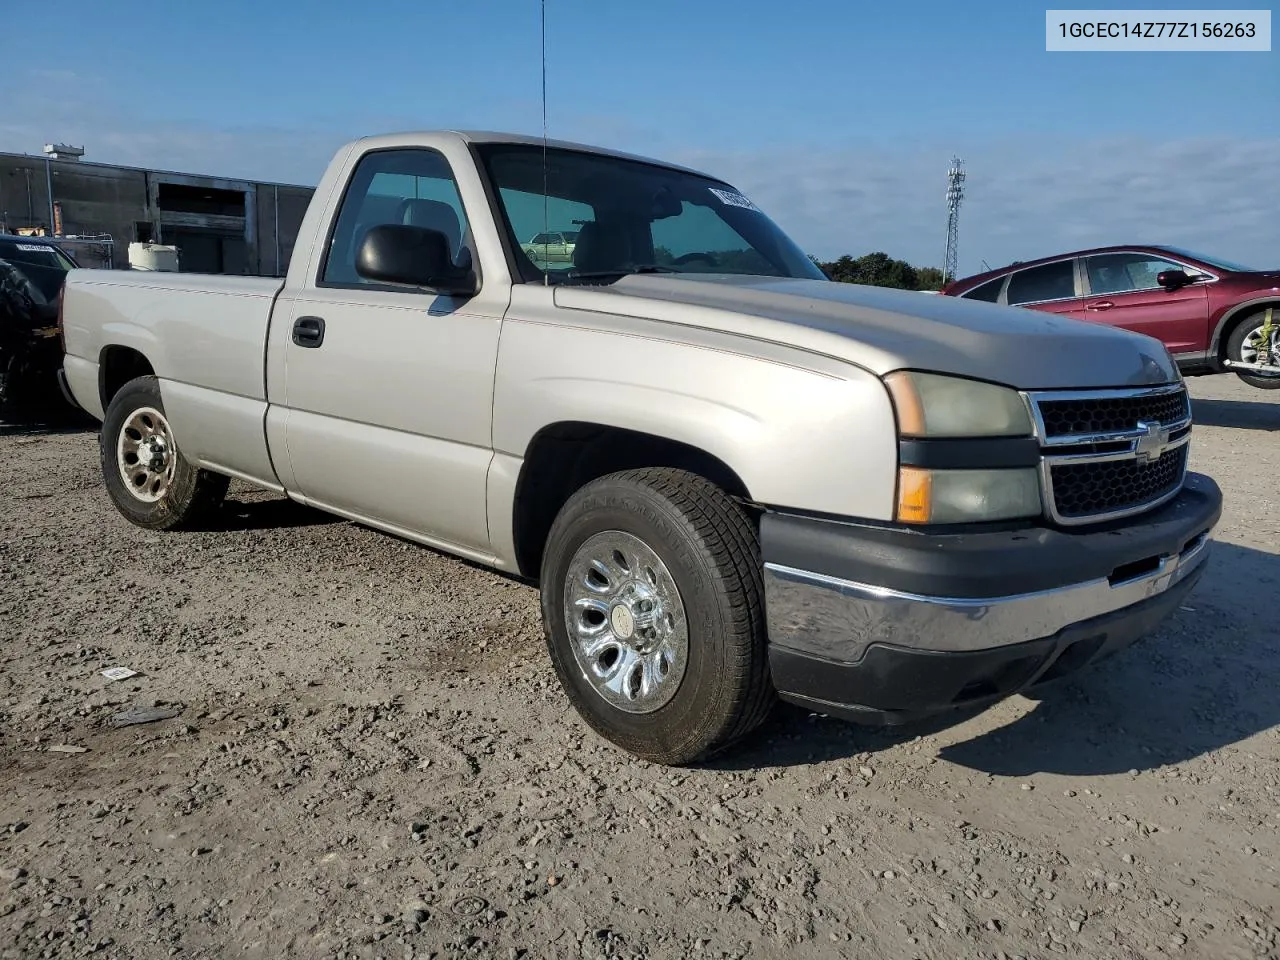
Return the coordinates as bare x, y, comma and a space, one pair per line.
955, 194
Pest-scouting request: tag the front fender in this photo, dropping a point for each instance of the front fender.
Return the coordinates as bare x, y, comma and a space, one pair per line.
802, 432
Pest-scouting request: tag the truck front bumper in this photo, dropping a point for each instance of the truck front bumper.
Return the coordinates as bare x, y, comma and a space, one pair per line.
885, 625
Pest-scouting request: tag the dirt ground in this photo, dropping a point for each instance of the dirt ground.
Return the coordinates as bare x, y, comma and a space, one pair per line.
372, 759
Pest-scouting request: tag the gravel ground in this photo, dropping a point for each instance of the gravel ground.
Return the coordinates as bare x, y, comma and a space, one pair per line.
371, 758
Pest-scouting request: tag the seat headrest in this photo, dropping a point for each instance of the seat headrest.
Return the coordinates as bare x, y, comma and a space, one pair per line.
434, 215
600, 248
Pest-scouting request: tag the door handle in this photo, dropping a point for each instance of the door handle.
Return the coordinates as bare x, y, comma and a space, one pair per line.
1099, 305
308, 331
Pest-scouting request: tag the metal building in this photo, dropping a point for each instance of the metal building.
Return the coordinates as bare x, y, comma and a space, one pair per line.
219, 225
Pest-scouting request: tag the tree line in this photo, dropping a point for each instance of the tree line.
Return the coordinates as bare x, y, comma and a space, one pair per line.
881, 270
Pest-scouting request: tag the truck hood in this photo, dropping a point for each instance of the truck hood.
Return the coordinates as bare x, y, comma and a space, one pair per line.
882, 329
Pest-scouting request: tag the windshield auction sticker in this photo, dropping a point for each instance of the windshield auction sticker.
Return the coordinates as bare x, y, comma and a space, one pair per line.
734, 199
1158, 31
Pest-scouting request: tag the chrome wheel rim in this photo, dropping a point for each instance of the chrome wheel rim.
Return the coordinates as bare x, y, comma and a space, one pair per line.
626, 622
1253, 340
145, 454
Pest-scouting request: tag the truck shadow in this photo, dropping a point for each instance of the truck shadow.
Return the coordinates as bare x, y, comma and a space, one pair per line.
1237, 414
1206, 680
276, 513
38, 426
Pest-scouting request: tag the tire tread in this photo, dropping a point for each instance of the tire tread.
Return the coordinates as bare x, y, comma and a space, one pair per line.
727, 544
194, 507
722, 522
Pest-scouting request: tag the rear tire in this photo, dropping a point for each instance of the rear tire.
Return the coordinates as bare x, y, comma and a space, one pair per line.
1243, 338
682, 672
147, 478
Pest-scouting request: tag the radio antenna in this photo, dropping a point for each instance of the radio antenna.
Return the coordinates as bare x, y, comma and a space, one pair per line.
546, 225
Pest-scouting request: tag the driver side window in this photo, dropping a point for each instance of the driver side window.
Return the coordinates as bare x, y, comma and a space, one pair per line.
412, 186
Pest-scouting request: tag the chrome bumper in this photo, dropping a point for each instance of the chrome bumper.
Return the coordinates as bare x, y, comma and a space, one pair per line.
837, 620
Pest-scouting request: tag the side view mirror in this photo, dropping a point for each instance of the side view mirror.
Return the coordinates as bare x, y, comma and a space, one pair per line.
413, 257
1172, 279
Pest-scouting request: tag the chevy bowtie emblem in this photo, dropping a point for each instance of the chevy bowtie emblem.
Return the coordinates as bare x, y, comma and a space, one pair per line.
1152, 442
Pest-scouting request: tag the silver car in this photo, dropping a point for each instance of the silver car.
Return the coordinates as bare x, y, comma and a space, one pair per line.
552, 247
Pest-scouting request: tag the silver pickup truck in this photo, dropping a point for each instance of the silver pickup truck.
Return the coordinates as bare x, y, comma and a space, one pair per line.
733, 479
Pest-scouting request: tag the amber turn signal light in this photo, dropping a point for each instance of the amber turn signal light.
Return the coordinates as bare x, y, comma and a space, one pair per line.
915, 495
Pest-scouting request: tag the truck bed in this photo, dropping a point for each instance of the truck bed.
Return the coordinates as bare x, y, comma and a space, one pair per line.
205, 336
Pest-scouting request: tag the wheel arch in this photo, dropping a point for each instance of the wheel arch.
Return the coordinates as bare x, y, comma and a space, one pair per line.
564, 456
117, 365
1228, 322
777, 425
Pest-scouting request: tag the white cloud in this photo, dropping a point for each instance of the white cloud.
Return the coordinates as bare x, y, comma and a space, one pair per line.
1026, 196
58, 106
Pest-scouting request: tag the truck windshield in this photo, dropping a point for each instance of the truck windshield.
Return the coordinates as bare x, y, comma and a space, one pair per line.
622, 217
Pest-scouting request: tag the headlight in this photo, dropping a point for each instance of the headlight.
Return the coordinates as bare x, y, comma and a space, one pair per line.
967, 496
931, 405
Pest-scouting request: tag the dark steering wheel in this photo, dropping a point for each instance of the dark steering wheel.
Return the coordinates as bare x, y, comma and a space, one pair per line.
686, 258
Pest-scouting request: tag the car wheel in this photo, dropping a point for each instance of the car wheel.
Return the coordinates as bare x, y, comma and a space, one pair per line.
146, 476
653, 605
1243, 344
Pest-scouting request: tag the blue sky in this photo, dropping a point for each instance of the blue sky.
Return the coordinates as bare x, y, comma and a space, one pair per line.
838, 118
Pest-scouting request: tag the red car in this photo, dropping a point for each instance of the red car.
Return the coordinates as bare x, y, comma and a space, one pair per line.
1212, 315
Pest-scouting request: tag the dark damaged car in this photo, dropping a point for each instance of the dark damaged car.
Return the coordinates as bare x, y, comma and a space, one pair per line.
32, 273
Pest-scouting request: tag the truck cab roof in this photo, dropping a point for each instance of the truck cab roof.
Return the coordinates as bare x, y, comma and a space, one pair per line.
429, 138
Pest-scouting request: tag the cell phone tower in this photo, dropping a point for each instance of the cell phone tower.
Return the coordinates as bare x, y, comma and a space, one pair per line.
955, 193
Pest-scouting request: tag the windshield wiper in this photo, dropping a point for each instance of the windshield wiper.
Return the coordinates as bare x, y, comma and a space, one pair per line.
618, 273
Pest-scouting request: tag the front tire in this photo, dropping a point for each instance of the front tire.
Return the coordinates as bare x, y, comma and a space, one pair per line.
1242, 346
146, 476
653, 605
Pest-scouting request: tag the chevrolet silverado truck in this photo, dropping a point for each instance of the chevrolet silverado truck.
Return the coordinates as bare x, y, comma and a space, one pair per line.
732, 479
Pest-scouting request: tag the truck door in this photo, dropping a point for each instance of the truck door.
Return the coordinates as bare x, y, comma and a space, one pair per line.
388, 390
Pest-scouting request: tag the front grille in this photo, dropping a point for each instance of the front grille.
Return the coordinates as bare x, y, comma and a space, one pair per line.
1086, 490
1095, 445
1101, 414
